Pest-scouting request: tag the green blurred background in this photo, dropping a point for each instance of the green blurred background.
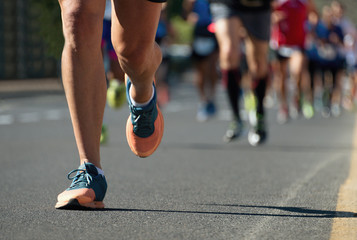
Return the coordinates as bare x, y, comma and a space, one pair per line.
31, 36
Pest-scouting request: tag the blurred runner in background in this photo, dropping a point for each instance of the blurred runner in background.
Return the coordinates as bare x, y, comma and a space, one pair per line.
163, 38
204, 56
232, 17
116, 95
350, 51
326, 57
288, 42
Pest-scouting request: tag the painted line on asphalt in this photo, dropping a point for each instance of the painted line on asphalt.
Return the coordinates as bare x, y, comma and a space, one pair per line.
29, 117
6, 119
257, 230
345, 226
33, 117
53, 114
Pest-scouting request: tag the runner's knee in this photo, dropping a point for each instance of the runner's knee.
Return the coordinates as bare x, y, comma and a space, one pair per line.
81, 26
138, 55
259, 69
228, 57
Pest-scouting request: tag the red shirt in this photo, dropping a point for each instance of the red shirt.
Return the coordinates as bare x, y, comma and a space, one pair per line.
290, 31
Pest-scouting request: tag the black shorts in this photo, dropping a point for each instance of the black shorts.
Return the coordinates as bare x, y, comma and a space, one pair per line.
256, 23
157, 1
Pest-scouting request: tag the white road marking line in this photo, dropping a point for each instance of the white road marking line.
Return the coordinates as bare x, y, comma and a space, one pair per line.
29, 117
53, 115
32, 117
176, 107
6, 119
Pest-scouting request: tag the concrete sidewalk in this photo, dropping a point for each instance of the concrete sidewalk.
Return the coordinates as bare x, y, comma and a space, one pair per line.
28, 87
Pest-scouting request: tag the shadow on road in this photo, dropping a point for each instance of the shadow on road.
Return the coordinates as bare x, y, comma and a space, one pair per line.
300, 211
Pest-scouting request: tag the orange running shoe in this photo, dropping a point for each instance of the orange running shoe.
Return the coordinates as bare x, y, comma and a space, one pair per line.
145, 126
87, 190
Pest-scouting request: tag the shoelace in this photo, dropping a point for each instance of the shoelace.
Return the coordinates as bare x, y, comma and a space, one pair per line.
142, 121
82, 176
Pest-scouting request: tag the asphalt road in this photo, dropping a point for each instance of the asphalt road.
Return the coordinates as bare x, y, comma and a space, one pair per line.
193, 187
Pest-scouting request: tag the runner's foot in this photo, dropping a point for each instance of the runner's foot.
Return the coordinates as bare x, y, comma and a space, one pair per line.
234, 130
116, 94
206, 110
211, 108
307, 110
87, 190
202, 114
283, 115
335, 110
145, 126
104, 134
257, 135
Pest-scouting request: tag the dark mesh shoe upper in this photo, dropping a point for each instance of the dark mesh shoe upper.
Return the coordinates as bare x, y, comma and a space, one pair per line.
142, 118
87, 177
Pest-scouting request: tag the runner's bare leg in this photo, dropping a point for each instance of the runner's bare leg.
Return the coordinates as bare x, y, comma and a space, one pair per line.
134, 25
83, 73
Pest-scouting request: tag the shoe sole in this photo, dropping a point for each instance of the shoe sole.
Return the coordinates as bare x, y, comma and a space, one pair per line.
253, 141
130, 138
229, 139
74, 204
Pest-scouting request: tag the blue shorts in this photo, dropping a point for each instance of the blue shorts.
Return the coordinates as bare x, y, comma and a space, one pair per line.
107, 41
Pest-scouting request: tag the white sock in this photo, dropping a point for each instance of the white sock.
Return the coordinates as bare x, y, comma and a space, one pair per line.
136, 104
100, 171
